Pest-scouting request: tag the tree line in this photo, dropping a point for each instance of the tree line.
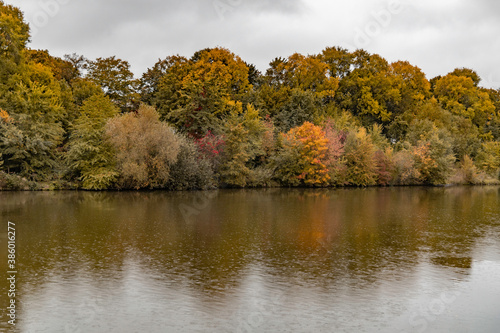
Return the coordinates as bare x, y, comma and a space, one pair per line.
337, 118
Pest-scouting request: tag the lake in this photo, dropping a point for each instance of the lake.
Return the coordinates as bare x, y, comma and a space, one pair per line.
277, 260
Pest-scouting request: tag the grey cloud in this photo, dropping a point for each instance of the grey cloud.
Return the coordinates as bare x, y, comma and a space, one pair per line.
436, 36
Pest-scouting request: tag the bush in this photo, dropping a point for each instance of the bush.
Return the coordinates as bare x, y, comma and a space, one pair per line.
193, 170
360, 159
146, 148
10, 182
405, 171
303, 156
489, 158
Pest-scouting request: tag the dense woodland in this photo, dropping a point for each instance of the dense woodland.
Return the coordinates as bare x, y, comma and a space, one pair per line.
337, 118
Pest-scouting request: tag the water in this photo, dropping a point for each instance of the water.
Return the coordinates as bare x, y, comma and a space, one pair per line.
347, 260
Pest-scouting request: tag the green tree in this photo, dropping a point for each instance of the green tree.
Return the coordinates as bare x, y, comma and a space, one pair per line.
244, 134
360, 159
34, 102
90, 157
116, 80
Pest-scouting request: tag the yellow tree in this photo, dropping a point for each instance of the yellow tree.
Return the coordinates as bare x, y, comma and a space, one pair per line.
195, 95
460, 96
412, 85
308, 73
370, 89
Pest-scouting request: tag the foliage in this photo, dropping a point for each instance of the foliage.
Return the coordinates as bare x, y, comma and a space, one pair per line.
220, 122
116, 79
302, 156
90, 157
360, 159
146, 148
489, 157
196, 94
244, 133
193, 170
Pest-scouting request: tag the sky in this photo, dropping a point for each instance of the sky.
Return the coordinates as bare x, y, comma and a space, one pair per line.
435, 35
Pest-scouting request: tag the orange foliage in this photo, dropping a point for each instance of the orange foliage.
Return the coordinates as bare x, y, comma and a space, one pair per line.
312, 144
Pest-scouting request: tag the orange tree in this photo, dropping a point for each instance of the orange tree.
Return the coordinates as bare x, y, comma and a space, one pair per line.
301, 159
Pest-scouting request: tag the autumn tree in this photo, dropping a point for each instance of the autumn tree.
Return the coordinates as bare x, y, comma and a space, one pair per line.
302, 156
30, 141
460, 96
412, 84
338, 60
195, 95
489, 158
14, 36
433, 151
62, 69
146, 148
307, 73
335, 161
369, 90
150, 81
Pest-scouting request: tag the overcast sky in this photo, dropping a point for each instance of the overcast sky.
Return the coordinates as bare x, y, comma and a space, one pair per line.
435, 35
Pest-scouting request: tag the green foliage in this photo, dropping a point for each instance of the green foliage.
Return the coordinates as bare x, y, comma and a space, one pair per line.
244, 134
360, 159
489, 157
301, 107
116, 79
90, 157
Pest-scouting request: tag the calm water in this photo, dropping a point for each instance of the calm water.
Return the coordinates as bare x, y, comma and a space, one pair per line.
353, 260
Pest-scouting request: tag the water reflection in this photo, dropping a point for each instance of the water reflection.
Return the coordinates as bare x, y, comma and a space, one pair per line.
256, 260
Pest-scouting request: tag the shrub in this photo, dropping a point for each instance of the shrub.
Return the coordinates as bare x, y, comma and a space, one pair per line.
193, 169
146, 148
360, 159
303, 156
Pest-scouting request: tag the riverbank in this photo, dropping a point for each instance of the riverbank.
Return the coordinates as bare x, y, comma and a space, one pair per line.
12, 182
